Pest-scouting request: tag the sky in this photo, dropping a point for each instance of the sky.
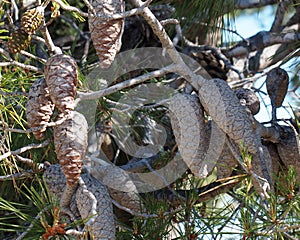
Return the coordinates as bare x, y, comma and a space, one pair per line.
248, 25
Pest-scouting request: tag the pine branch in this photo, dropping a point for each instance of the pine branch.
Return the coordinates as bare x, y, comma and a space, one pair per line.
260, 41
115, 16
146, 215
91, 196
17, 176
159, 31
37, 217
242, 82
21, 65
125, 84
76, 233
205, 193
48, 40
24, 149
140, 165
279, 17
11, 94
295, 18
30, 130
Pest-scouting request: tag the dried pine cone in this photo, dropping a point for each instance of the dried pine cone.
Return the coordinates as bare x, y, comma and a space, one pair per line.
187, 121
277, 83
210, 62
225, 109
249, 99
19, 40
56, 184
62, 78
39, 107
219, 100
103, 226
32, 20
276, 162
70, 141
113, 176
106, 34
289, 148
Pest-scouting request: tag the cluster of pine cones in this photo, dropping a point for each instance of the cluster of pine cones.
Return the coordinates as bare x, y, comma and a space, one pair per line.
58, 89
31, 21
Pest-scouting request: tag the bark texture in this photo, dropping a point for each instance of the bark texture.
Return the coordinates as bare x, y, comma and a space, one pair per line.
115, 178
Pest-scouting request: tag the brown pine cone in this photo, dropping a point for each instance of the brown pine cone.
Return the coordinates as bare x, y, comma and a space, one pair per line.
70, 142
39, 107
210, 61
106, 34
32, 19
19, 40
62, 78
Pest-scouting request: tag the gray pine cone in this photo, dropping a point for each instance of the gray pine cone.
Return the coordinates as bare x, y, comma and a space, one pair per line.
113, 176
289, 148
103, 226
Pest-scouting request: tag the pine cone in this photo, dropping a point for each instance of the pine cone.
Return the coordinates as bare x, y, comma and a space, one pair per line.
269, 165
187, 121
103, 226
251, 101
289, 148
210, 61
106, 34
276, 162
111, 175
19, 40
225, 162
62, 78
70, 141
277, 83
219, 100
39, 107
32, 19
